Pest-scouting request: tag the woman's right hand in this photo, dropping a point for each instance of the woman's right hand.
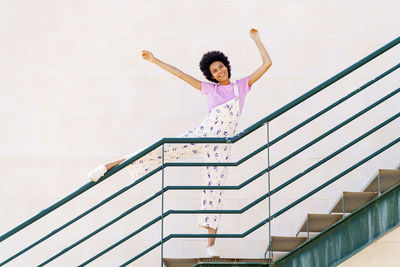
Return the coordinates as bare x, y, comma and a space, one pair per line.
147, 55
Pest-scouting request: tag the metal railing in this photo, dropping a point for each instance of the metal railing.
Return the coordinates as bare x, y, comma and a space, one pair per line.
234, 139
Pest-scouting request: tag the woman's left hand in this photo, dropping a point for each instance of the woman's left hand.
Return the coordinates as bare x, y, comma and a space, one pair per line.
254, 34
265, 57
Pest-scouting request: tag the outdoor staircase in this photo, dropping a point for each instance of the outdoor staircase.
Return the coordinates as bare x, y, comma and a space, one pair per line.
348, 202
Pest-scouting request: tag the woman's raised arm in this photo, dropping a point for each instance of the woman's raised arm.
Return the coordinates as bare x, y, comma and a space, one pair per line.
265, 58
171, 69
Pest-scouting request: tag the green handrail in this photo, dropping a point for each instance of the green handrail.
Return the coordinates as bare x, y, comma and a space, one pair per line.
212, 140
207, 140
262, 148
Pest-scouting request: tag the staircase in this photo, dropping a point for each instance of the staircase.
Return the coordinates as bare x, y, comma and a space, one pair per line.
366, 216
353, 222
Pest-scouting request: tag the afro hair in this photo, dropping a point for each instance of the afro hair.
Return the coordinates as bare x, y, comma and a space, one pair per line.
210, 57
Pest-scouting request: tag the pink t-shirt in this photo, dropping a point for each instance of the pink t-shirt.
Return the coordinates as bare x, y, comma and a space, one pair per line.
218, 94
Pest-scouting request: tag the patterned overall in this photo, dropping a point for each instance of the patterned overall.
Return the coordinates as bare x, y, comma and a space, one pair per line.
220, 122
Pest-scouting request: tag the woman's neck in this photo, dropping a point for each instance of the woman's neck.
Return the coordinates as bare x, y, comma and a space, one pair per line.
225, 82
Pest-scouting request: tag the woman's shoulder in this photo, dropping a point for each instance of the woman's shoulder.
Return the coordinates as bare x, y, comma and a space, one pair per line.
243, 83
207, 87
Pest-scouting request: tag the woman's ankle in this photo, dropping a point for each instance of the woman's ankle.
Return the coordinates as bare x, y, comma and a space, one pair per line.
110, 165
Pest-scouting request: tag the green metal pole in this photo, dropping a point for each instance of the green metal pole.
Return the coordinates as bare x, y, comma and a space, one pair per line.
269, 198
162, 207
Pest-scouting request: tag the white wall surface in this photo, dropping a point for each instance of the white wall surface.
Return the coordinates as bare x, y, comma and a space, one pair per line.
75, 92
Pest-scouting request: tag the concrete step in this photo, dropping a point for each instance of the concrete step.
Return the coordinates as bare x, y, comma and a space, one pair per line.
285, 243
350, 201
209, 262
383, 180
318, 222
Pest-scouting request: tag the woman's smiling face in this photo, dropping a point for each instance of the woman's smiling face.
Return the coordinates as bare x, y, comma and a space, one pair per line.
219, 72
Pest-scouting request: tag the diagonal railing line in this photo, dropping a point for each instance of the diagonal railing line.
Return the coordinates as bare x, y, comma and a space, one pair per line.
207, 140
199, 187
275, 215
211, 211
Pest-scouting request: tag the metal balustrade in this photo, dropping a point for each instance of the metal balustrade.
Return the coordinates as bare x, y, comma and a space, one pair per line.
239, 136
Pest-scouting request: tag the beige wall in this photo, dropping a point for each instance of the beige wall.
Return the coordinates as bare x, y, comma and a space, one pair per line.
383, 252
75, 93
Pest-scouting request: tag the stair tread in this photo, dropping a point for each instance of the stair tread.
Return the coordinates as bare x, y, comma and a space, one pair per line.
388, 178
319, 222
286, 243
189, 262
352, 201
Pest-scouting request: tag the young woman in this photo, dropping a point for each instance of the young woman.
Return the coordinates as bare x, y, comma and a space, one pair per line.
225, 103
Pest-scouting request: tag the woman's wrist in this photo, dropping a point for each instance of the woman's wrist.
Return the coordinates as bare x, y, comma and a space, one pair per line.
155, 60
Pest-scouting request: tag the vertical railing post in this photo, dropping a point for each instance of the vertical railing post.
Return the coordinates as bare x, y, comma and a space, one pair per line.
269, 197
162, 205
379, 183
